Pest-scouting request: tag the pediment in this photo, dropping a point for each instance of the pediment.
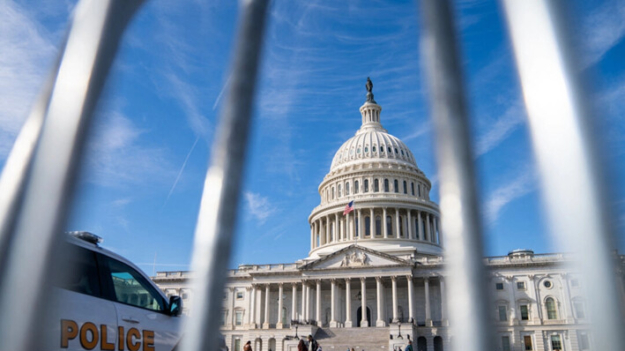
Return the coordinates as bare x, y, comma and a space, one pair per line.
355, 256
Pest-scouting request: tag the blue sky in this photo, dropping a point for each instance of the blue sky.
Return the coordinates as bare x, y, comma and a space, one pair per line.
146, 161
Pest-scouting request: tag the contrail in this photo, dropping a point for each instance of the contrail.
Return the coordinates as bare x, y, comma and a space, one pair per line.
184, 164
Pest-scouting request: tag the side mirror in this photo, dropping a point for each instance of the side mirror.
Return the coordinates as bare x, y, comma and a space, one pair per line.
175, 305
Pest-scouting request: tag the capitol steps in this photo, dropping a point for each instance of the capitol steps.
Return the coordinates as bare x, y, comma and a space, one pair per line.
341, 339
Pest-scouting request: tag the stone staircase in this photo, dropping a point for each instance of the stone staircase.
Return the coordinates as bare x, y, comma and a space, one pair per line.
342, 339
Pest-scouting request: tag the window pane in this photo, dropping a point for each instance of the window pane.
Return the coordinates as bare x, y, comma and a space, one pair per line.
527, 340
366, 185
555, 343
551, 309
396, 184
132, 289
367, 225
386, 185
83, 276
356, 187
378, 225
499, 286
503, 315
376, 185
520, 285
505, 343
238, 317
524, 313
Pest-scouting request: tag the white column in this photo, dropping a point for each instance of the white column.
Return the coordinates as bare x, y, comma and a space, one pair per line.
253, 308
380, 321
280, 303
336, 227
410, 299
428, 233
394, 290
233, 291
371, 224
318, 315
397, 230
294, 303
363, 291
308, 300
348, 227
384, 226
444, 303
428, 311
301, 316
419, 225
249, 295
360, 234
266, 319
409, 226
348, 304
333, 303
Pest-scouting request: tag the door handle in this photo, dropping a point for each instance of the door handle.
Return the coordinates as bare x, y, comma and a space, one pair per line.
130, 320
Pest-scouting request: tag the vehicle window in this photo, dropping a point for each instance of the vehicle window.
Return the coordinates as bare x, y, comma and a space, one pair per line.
131, 288
81, 272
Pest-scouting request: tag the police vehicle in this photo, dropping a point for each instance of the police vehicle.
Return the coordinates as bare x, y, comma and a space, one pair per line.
104, 302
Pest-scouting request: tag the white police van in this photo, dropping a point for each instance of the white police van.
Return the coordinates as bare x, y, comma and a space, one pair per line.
105, 302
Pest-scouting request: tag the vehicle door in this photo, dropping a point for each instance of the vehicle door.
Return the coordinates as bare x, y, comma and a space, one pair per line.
81, 319
142, 312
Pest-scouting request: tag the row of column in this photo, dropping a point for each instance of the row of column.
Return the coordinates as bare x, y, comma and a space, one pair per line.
335, 227
306, 314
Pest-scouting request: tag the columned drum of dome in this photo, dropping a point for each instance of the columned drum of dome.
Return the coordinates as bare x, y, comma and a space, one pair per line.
392, 208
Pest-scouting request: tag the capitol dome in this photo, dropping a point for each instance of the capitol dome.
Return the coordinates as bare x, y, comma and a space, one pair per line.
378, 174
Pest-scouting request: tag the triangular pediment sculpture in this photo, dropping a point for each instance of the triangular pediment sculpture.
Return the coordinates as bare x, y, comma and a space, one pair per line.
355, 256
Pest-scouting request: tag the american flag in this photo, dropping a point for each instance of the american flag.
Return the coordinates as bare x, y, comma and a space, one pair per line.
348, 208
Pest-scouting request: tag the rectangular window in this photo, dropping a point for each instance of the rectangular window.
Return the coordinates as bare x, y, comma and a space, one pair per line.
356, 188
520, 285
527, 341
405, 188
332, 193
503, 314
366, 185
505, 343
525, 315
499, 286
238, 317
239, 295
412, 187
376, 185
419, 190
346, 188
237, 344
340, 193
556, 343
584, 344
396, 185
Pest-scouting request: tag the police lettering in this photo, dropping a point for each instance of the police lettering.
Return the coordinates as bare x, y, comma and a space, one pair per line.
90, 336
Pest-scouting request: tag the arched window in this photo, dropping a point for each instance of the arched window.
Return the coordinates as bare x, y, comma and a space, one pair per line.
366, 185
373, 148
386, 185
389, 225
376, 185
378, 225
367, 225
356, 188
340, 194
405, 188
366, 149
346, 188
412, 187
550, 304
396, 184
438, 343
401, 226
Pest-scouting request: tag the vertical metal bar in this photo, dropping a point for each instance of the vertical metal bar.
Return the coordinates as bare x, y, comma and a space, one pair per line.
561, 129
48, 161
217, 216
459, 205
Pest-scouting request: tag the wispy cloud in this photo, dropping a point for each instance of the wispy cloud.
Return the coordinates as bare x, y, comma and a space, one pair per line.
493, 135
259, 206
27, 54
523, 184
601, 30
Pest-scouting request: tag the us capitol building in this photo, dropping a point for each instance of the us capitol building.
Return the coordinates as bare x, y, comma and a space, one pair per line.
374, 276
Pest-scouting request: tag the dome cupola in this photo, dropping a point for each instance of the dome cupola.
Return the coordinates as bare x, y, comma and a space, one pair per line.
378, 174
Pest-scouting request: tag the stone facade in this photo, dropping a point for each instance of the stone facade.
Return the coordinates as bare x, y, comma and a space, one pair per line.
380, 268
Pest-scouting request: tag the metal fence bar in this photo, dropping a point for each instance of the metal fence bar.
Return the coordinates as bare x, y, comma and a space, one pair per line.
47, 163
467, 295
563, 140
218, 209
